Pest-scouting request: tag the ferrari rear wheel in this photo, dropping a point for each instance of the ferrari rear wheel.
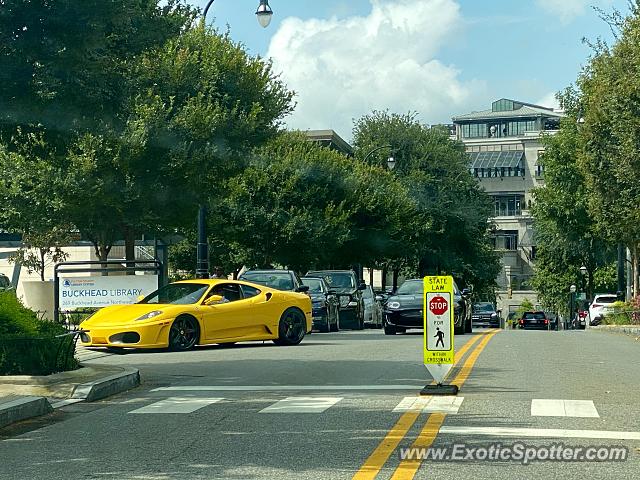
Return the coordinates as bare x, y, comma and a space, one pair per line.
183, 334
291, 329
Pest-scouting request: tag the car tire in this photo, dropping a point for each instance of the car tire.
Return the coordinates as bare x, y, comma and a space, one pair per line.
468, 326
458, 330
291, 328
390, 330
184, 333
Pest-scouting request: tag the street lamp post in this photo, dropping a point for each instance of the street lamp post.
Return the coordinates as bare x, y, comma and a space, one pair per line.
264, 14
572, 302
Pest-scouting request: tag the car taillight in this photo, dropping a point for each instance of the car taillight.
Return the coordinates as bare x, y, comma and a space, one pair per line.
521, 321
546, 322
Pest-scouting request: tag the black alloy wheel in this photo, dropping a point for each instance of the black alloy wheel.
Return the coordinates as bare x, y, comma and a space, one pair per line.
291, 329
183, 334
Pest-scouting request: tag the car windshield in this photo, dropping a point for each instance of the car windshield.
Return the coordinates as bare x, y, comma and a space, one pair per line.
533, 316
340, 280
483, 307
411, 288
314, 284
277, 280
177, 293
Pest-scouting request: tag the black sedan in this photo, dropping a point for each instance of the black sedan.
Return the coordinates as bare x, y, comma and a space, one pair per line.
404, 309
286, 280
326, 306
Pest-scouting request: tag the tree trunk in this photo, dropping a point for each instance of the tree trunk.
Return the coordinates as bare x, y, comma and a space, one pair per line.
396, 272
371, 276
130, 249
43, 254
102, 252
384, 279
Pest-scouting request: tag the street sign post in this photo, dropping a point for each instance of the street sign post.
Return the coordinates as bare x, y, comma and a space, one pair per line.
438, 345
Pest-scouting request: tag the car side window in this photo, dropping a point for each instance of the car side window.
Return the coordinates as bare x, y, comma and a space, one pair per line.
248, 291
229, 291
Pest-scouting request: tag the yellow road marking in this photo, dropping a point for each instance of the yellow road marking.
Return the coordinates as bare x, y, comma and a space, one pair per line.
408, 468
383, 451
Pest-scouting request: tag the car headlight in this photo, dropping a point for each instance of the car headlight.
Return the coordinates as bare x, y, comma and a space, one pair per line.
149, 315
393, 305
352, 304
494, 315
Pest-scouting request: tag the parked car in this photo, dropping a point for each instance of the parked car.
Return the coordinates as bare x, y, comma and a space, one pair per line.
601, 306
286, 280
196, 312
326, 305
537, 320
5, 283
484, 315
346, 285
372, 307
404, 309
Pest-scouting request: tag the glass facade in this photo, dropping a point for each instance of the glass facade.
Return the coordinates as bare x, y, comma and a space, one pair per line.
508, 205
499, 128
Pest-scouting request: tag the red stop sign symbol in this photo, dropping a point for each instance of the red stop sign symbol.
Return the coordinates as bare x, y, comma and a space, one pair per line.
438, 305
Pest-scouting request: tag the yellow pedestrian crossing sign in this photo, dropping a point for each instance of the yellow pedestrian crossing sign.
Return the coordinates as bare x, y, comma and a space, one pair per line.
438, 308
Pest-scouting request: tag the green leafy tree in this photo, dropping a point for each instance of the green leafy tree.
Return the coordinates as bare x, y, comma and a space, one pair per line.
567, 234
449, 231
609, 100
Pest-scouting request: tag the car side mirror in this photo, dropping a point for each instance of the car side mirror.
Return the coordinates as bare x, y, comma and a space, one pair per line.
302, 289
332, 292
213, 299
466, 292
362, 286
379, 298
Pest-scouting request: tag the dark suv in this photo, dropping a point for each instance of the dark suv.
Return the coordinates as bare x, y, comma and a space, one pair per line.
349, 290
278, 279
484, 315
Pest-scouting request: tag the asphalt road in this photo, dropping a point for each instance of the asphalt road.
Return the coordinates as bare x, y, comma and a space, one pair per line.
330, 409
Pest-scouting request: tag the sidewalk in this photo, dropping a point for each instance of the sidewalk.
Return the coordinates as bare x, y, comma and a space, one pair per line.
633, 330
24, 396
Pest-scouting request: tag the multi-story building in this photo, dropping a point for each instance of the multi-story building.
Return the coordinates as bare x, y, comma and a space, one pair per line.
504, 146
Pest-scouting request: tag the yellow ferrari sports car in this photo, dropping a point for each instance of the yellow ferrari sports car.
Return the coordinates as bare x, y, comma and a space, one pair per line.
191, 312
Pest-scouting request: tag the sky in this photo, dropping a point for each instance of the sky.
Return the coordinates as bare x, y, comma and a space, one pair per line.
439, 58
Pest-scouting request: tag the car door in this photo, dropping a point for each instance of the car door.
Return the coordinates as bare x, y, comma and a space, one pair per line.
233, 318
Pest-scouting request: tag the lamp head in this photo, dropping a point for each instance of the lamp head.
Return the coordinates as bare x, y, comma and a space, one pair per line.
264, 13
391, 163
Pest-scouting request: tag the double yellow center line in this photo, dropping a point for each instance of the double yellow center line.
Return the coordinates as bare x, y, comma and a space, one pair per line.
408, 468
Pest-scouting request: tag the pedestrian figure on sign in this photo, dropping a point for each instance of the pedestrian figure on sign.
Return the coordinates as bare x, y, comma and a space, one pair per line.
440, 335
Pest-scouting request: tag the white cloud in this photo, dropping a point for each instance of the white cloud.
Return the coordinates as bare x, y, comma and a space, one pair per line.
567, 10
344, 68
549, 100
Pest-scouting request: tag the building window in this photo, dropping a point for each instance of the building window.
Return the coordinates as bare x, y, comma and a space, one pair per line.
508, 205
506, 240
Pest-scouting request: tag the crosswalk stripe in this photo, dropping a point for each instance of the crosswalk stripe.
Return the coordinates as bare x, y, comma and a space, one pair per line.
302, 405
177, 405
563, 408
430, 404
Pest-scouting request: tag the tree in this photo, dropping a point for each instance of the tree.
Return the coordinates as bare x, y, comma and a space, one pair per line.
609, 99
566, 232
449, 232
65, 71
304, 206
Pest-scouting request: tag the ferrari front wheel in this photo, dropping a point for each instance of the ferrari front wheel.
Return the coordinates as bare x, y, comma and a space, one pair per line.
183, 334
291, 328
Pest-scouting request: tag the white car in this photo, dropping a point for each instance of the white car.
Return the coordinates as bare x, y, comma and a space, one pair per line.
601, 306
372, 307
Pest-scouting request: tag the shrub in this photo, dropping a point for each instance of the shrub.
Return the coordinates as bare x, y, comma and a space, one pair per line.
30, 346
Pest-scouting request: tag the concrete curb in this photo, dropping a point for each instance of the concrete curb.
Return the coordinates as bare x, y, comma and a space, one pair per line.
623, 329
23, 408
107, 386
